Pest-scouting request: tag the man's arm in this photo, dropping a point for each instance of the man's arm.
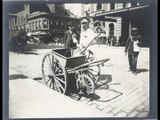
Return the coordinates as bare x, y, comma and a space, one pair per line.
139, 40
127, 44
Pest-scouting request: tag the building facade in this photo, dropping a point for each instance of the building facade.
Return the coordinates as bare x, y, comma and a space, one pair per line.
51, 23
50, 19
115, 18
118, 18
20, 21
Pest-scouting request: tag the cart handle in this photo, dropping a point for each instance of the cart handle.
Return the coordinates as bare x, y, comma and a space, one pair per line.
90, 64
83, 51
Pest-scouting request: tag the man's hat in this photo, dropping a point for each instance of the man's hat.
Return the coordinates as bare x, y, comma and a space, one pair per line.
96, 23
87, 18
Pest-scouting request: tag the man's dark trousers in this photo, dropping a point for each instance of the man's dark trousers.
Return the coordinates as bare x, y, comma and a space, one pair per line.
132, 58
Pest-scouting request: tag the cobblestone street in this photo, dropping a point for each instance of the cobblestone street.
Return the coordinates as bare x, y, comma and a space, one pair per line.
128, 94
123, 94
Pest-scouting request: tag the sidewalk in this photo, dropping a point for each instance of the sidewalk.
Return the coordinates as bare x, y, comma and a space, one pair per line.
124, 94
31, 99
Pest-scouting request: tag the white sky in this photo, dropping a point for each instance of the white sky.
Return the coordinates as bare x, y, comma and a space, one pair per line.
75, 8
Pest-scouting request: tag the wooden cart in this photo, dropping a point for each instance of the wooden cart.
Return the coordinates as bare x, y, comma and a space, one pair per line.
66, 74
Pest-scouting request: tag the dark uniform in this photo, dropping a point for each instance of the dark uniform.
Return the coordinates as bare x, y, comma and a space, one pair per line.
132, 55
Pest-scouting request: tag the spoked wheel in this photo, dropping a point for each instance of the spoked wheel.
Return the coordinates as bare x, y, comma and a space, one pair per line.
93, 70
85, 84
54, 75
94, 73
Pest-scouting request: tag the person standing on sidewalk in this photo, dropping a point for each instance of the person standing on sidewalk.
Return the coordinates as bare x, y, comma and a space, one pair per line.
133, 48
69, 36
86, 36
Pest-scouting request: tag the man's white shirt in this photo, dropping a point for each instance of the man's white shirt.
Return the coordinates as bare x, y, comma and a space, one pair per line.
86, 37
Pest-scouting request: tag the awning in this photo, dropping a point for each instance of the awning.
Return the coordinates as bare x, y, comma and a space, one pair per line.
105, 18
121, 12
36, 33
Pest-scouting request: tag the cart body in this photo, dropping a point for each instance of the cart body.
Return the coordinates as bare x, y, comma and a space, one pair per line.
65, 73
64, 55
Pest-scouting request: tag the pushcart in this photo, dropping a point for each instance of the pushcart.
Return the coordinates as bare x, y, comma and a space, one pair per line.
66, 74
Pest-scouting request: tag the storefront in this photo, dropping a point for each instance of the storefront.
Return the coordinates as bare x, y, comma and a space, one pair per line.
141, 16
53, 25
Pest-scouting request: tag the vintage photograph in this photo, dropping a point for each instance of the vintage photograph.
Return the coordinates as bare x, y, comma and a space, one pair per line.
80, 60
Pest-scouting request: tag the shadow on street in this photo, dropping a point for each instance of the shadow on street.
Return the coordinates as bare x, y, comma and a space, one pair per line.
104, 79
17, 76
142, 70
38, 78
104, 85
30, 52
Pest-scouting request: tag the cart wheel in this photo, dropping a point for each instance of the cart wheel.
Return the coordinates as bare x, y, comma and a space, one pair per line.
54, 75
94, 73
85, 84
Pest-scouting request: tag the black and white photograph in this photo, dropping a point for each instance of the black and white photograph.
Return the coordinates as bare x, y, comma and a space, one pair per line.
81, 59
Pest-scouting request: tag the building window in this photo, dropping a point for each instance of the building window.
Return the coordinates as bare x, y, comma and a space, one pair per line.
57, 23
99, 6
32, 25
111, 29
124, 5
133, 4
26, 18
39, 24
22, 20
45, 24
141, 3
103, 24
36, 25
11, 22
79, 25
62, 24
17, 20
112, 6
27, 29
127, 5
51, 22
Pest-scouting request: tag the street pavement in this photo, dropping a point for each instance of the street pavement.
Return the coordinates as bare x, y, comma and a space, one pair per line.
123, 94
31, 99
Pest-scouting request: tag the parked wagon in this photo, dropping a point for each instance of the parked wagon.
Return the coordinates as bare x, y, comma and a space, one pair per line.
66, 73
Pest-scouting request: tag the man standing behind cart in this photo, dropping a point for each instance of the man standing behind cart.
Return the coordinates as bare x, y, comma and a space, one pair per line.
86, 36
